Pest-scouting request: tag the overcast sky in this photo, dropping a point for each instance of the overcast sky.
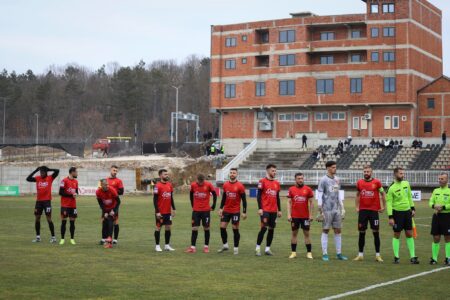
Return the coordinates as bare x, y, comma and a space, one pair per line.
35, 34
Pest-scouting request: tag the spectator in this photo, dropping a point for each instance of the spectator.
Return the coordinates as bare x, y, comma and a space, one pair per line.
315, 154
419, 144
415, 144
444, 138
386, 143
400, 144
349, 139
396, 144
222, 150
391, 143
319, 155
372, 143
304, 139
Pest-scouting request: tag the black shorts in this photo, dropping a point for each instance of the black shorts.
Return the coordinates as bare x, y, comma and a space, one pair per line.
403, 220
269, 219
203, 217
166, 219
440, 224
43, 206
68, 212
234, 217
368, 216
302, 223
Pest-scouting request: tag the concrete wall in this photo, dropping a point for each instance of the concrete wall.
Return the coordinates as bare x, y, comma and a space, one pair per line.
11, 175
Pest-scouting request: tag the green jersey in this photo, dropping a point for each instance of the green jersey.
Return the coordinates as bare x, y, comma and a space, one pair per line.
441, 196
399, 197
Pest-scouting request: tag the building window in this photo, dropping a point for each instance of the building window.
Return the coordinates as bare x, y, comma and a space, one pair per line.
389, 84
387, 122
285, 117
287, 87
326, 60
430, 103
374, 8
356, 34
287, 60
230, 90
261, 115
260, 89
374, 32
287, 36
230, 42
300, 116
327, 36
244, 60
338, 116
321, 116
389, 31
325, 86
355, 85
244, 38
395, 122
428, 127
375, 56
355, 58
356, 123
230, 64
389, 56
388, 8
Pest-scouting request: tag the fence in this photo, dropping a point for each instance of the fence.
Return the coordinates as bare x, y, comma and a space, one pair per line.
347, 177
16, 176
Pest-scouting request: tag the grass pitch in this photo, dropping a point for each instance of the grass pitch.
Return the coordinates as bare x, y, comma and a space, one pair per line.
133, 270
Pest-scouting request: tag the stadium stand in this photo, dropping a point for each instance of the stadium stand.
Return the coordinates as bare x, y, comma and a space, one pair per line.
427, 156
382, 161
366, 157
404, 158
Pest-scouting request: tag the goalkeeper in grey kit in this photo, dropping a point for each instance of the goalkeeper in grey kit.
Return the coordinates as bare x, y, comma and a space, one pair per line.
331, 210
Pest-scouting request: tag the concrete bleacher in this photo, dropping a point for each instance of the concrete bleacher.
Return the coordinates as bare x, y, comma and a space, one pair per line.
404, 158
442, 161
283, 159
366, 157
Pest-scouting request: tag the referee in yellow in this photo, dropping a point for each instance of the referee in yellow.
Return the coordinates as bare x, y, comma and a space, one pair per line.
440, 224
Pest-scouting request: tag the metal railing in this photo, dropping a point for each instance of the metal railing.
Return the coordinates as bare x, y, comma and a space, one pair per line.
347, 177
237, 160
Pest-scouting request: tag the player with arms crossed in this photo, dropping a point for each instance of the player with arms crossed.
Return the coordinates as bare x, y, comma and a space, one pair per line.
367, 204
200, 195
43, 199
164, 209
230, 209
400, 209
109, 201
68, 190
440, 224
331, 210
300, 210
269, 208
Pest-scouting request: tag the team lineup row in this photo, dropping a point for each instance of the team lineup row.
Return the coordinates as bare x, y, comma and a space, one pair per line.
371, 199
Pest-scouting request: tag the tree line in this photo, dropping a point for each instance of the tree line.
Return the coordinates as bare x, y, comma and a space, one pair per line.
75, 103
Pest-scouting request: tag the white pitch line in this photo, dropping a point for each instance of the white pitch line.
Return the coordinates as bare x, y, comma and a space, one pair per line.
371, 287
423, 225
425, 218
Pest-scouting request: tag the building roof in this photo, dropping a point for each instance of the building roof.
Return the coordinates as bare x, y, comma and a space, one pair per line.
433, 82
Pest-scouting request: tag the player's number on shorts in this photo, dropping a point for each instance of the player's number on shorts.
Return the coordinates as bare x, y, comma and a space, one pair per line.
376, 222
48, 209
75, 211
306, 223
235, 218
207, 220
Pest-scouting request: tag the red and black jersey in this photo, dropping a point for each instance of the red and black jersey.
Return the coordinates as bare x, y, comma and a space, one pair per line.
108, 198
269, 190
233, 192
202, 195
299, 201
369, 194
44, 188
69, 187
164, 191
115, 183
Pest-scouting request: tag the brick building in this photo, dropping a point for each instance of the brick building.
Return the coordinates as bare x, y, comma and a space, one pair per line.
337, 75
